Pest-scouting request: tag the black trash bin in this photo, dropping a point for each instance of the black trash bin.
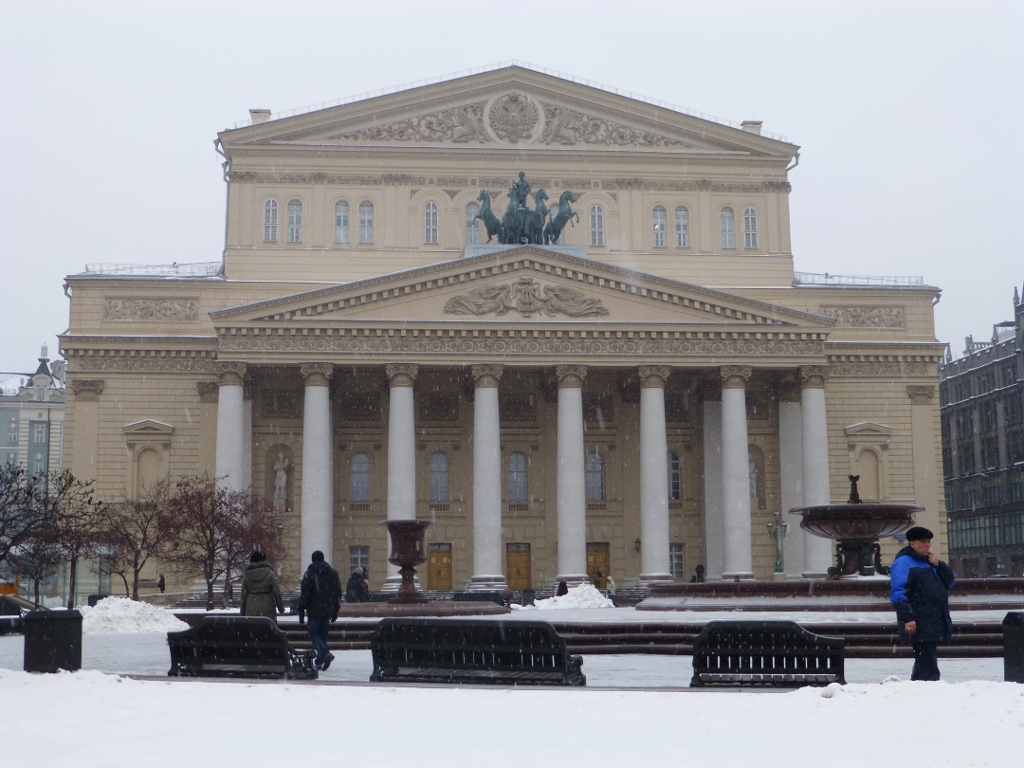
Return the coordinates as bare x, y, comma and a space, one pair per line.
1013, 647
529, 595
53, 641
93, 599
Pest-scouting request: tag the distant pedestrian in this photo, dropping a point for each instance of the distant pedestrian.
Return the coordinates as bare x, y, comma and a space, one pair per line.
699, 573
598, 577
261, 593
161, 584
356, 589
609, 583
563, 588
919, 591
320, 599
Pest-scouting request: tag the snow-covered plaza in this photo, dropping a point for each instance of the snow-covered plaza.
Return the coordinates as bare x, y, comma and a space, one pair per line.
635, 710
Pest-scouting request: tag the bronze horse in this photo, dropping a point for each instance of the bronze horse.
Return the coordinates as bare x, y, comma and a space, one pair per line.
490, 221
565, 214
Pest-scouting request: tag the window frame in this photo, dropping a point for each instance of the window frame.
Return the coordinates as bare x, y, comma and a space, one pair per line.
675, 476
366, 222
750, 231
659, 227
359, 485
472, 227
343, 210
595, 469
430, 223
271, 219
439, 478
518, 478
294, 221
682, 227
597, 226
727, 227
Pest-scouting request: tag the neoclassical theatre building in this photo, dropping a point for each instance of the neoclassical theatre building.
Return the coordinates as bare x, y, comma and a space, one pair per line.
561, 323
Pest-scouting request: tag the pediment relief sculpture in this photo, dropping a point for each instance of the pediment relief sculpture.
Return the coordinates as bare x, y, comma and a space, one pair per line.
459, 125
526, 296
569, 127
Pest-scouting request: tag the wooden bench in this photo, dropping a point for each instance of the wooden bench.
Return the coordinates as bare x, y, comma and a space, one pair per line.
237, 646
778, 654
472, 651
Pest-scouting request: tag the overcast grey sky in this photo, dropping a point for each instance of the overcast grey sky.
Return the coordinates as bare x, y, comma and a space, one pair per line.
908, 115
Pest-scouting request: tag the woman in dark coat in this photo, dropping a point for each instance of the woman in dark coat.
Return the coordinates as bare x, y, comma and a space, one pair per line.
261, 593
356, 590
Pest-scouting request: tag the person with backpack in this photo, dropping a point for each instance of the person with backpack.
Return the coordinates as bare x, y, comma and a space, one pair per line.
356, 590
320, 600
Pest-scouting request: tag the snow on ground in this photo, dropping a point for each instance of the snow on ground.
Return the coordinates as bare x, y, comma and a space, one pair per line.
120, 616
96, 717
583, 596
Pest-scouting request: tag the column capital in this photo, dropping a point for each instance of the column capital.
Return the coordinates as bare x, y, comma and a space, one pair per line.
208, 391
921, 394
487, 375
402, 374
87, 390
316, 374
230, 373
570, 375
735, 376
787, 388
814, 376
654, 376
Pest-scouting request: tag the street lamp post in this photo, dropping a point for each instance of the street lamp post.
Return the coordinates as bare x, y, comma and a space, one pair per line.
777, 531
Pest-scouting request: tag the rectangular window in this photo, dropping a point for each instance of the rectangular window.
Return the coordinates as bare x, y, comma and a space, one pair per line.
341, 223
430, 224
677, 561
294, 222
992, 496
596, 225
682, 228
12, 433
750, 228
728, 229
1017, 486
965, 453
990, 452
660, 224
39, 434
950, 503
359, 557
365, 223
968, 498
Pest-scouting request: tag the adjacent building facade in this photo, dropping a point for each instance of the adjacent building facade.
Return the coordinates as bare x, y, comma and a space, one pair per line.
982, 404
633, 385
32, 418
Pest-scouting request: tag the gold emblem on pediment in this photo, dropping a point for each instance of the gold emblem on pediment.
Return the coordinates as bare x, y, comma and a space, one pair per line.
526, 296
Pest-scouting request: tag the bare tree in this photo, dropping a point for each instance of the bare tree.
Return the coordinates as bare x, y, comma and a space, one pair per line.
132, 534
36, 559
212, 530
73, 521
22, 516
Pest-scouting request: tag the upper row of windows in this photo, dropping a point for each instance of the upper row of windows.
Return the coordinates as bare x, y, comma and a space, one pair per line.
659, 223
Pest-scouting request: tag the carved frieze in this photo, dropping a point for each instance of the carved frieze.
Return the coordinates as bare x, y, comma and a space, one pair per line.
514, 117
886, 369
139, 364
491, 346
151, 310
569, 127
526, 296
459, 125
866, 317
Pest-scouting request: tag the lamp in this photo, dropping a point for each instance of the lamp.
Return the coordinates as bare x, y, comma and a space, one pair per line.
636, 545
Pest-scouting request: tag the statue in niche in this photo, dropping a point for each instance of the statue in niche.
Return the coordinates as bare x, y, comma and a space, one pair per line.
281, 467
752, 473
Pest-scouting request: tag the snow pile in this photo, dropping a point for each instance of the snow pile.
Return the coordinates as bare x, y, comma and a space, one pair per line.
121, 616
584, 596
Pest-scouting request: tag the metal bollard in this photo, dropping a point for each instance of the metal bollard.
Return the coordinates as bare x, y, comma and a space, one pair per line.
1013, 647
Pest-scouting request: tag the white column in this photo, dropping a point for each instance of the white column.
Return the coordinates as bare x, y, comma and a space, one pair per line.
791, 479
817, 550
401, 454
572, 499
230, 426
714, 519
736, 473
487, 571
317, 501
247, 443
654, 537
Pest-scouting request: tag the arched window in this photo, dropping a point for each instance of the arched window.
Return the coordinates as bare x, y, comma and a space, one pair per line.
596, 225
439, 477
659, 222
294, 222
595, 476
430, 223
360, 477
270, 221
517, 477
682, 228
728, 228
749, 228
472, 228
341, 223
366, 222
675, 477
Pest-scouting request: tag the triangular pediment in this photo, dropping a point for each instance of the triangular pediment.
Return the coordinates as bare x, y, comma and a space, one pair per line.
511, 107
869, 431
525, 284
147, 429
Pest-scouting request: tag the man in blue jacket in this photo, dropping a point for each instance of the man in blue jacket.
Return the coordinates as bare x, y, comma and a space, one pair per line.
320, 599
919, 591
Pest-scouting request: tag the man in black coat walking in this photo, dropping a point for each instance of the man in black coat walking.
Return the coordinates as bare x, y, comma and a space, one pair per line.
919, 591
320, 599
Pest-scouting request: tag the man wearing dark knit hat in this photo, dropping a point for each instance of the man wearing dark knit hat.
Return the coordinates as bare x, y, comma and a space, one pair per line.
919, 591
320, 599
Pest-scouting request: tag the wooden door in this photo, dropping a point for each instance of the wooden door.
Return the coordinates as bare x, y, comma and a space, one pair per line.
439, 566
517, 566
598, 559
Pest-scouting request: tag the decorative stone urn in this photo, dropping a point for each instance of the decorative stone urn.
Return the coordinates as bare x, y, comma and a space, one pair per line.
407, 551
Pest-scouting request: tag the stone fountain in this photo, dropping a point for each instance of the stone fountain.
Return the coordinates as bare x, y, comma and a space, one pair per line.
856, 528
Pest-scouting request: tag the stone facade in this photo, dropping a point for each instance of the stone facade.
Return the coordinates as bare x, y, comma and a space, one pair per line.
641, 391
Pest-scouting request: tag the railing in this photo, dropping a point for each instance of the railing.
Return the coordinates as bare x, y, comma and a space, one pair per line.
491, 68
814, 278
197, 269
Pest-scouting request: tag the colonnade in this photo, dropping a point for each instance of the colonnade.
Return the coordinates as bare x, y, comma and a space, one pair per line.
804, 467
